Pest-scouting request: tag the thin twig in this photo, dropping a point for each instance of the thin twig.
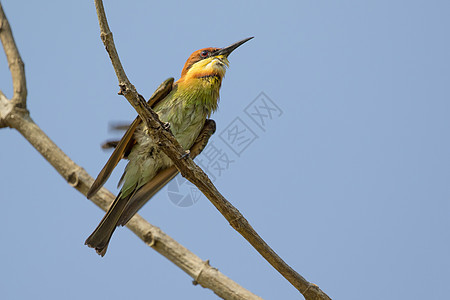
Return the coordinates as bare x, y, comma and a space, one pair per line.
194, 173
16, 65
16, 116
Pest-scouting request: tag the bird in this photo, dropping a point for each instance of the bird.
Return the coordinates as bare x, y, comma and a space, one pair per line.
184, 106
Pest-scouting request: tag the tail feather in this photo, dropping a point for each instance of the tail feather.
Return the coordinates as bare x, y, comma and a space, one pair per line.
144, 193
101, 236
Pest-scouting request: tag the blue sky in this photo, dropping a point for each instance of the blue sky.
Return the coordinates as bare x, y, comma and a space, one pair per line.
348, 181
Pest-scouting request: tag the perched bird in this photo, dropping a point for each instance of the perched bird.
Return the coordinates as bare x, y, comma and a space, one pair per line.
184, 106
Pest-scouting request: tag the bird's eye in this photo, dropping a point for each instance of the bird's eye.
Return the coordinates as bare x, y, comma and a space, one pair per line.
204, 53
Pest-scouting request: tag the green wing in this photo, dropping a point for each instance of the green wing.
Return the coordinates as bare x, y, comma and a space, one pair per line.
127, 142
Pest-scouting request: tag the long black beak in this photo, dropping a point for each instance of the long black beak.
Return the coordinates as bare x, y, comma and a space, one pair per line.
227, 50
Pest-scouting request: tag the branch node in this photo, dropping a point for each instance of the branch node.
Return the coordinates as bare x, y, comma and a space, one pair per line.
73, 179
123, 89
149, 239
304, 292
104, 36
205, 265
236, 222
10, 109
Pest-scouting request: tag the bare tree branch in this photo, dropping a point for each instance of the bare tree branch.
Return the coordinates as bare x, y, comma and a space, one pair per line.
13, 113
17, 70
15, 62
194, 173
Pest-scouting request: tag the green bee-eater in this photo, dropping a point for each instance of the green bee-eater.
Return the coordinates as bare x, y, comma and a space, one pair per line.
185, 106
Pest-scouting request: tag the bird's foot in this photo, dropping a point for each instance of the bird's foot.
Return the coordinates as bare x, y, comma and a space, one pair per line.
166, 125
186, 154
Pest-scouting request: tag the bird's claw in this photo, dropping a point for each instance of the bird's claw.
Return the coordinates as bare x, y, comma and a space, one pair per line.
166, 125
186, 154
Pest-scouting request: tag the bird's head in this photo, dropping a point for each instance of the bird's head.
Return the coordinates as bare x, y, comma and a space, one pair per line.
208, 62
